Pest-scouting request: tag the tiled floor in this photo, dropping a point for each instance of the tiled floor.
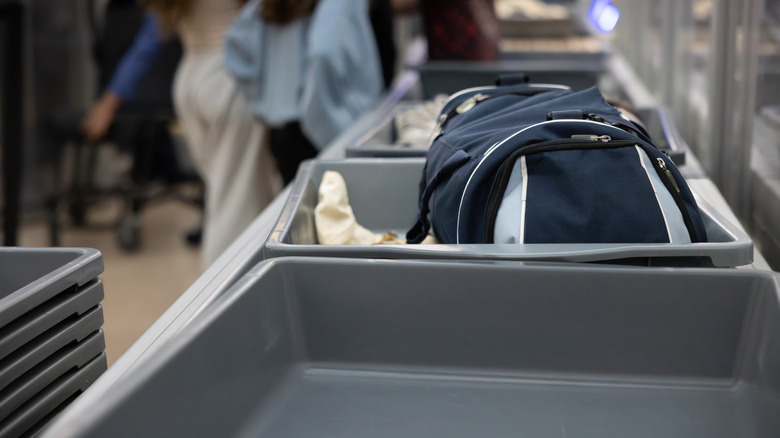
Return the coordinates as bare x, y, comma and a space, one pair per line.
141, 285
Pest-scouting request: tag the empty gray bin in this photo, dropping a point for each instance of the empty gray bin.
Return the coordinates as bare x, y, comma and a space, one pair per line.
381, 140
383, 195
48, 371
377, 348
36, 351
31, 276
42, 318
450, 76
36, 413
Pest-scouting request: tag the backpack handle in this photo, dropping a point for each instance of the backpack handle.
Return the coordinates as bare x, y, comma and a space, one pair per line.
422, 225
512, 79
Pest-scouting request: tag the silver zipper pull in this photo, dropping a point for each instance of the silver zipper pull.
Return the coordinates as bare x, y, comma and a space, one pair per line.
470, 103
587, 137
668, 173
437, 130
462, 108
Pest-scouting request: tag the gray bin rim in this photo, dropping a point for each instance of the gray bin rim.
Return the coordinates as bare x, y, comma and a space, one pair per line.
264, 266
86, 265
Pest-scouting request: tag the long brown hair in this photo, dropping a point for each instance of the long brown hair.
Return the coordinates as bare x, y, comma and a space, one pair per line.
281, 12
170, 11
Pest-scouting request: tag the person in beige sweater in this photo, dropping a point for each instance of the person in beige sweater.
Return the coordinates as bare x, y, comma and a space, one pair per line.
228, 145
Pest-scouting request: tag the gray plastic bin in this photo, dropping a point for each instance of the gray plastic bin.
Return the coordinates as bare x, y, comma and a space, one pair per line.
600, 56
74, 329
383, 195
34, 323
520, 27
450, 76
36, 413
381, 140
31, 276
358, 348
73, 357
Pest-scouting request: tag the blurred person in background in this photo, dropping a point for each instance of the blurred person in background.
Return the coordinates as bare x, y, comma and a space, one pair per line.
128, 47
120, 78
309, 68
135, 69
456, 29
229, 147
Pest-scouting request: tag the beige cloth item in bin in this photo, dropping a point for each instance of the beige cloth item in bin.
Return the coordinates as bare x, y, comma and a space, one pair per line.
335, 221
333, 216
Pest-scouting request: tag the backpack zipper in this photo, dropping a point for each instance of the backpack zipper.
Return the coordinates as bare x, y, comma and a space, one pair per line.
501, 143
575, 142
671, 185
668, 173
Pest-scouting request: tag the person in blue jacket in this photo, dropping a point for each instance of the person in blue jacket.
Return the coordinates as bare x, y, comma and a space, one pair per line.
135, 63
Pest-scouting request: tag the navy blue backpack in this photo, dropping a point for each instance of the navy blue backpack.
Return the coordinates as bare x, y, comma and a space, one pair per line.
530, 163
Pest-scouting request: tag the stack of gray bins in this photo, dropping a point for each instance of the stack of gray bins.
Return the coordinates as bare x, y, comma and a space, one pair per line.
51, 343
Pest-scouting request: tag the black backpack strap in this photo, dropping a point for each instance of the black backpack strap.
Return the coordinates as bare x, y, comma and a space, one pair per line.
422, 225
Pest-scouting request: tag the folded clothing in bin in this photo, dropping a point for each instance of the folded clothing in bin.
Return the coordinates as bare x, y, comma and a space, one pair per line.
335, 222
416, 124
403, 131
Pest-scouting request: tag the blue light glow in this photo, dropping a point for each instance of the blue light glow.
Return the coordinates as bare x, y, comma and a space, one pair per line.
604, 15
